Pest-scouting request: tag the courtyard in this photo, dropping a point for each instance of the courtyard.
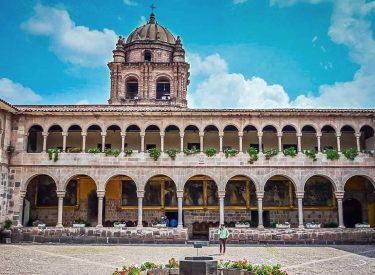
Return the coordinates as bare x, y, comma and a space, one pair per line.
72, 259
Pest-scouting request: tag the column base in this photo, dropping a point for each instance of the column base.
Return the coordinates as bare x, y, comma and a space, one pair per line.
260, 227
99, 226
342, 226
19, 225
139, 226
59, 226
180, 226
301, 227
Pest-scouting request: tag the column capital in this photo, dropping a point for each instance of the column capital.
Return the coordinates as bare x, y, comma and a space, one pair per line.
240, 134
162, 134
221, 194
180, 194
300, 195
182, 134
260, 134
221, 134
142, 134
260, 195
299, 134
339, 195
123, 134
45, 134
279, 134
64, 134
338, 135
100, 194
84, 134
140, 194
358, 135
318, 134
103, 134
201, 134
60, 194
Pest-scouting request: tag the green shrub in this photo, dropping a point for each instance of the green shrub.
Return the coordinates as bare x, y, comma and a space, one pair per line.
210, 152
150, 265
172, 152
7, 223
332, 154
270, 153
290, 151
311, 153
94, 150
194, 150
128, 152
53, 153
350, 153
172, 263
112, 152
154, 153
253, 153
230, 152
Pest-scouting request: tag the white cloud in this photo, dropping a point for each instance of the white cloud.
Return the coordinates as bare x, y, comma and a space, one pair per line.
16, 93
130, 3
71, 43
83, 102
142, 20
284, 3
314, 39
239, 1
221, 89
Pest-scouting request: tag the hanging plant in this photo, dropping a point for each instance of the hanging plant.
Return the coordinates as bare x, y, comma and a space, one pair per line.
311, 153
172, 152
270, 153
230, 152
194, 150
210, 152
332, 154
53, 154
350, 153
291, 151
154, 153
253, 153
94, 150
128, 152
112, 152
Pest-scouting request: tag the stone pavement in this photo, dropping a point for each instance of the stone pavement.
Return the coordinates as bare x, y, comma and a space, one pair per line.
87, 259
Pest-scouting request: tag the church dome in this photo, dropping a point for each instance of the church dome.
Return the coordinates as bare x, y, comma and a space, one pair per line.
152, 31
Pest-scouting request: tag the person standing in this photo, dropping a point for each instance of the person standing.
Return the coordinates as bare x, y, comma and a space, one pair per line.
223, 236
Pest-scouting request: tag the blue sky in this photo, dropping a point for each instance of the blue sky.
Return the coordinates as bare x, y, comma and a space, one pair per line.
243, 54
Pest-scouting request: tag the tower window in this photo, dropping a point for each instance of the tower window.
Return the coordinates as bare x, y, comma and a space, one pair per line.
163, 88
132, 88
147, 56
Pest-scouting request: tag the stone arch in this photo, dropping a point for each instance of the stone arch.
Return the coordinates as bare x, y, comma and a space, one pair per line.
54, 124
157, 172
95, 124
269, 124
237, 126
328, 124
68, 126
364, 174
131, 75
282, 173
291, 125
212, 175
32, 176
212, 124
38, 125
257, 127
107, 177
151, 123
311, 124
227, 177
332, 180
355, 128
172, 124
68, 178
192, 124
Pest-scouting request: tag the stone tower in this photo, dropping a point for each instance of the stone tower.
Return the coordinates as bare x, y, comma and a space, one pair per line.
149, 68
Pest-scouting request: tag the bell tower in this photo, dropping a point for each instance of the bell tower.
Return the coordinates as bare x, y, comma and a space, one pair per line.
149, 68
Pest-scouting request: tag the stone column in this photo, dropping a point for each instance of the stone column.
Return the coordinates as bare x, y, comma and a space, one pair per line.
45, 135
84, 135
20, 215
299, 196
162, 135
60, 208
240, 136
64, 134
221, 136
180, 195
358, 136
299, 142
279, 136
201, 135
221, 206
100, 195
338, 136
103, 140
26, 142
123, 135
339, 197
182, 141
318, 136
260, 196
260, 135
142, 141
140, 195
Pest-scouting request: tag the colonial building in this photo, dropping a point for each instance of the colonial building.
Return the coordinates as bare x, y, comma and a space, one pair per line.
60, 163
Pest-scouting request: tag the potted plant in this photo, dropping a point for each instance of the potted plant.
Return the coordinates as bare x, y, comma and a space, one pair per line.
154, 153
290, 151
128, 152
270, 153
39, 224
172, 152
313, 225
311, 153
242, 224
94, 150
194, 150
350, 153
172, 266
210, 152
53, 154
253, 153
332, 154
283, 225
230, 152
112, 152
119, 225
362, 225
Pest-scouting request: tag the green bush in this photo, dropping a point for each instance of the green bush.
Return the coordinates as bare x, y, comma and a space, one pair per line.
291, 151
112, 152
230, 152
332, 154
172, 152
94, 150
350, 153
128, 152
253, 153
311, 153
194, 150
154, 153
53, 153
210, 152
270, 153
7, 223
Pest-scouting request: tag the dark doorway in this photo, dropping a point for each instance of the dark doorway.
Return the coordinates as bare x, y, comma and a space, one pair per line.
172, 217
266, 218
352, 212
92, 207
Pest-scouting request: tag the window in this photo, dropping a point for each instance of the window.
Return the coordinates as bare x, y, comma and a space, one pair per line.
150, 146
132, 88
147, 56
163, 89
196, 145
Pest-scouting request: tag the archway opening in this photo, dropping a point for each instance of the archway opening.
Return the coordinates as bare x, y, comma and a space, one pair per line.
172, 137
367, 140
121, 202
359, 190
250, 138
94, 138
211, 138
35, 139
191, 137
113, 137
133, 138
269, 140
147, 57
163, 88
55, 138
201, 205
328, 139
309, 140
289, 138
74, 139
279, 202
131, 88
348, 139
319, 202
230, 138
152, 137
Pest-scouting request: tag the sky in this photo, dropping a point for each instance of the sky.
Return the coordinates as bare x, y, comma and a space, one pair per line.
242, 53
